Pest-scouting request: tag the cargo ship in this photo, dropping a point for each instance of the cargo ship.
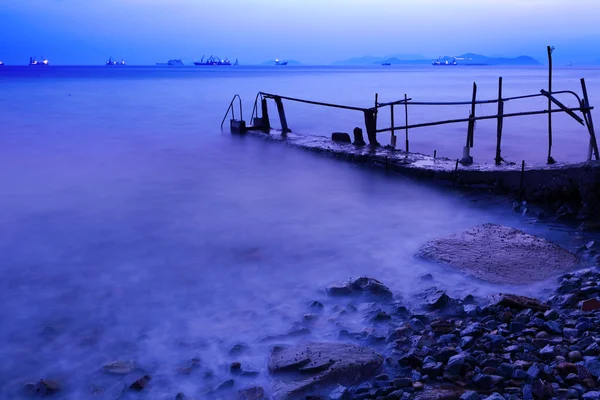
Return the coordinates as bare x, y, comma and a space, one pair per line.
34, 61
213, 61
277, 62
445, 62
172, 63
114, 62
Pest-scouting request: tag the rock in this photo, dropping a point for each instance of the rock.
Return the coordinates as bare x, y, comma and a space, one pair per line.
469, 395
341, 137
427, 278
435, 298
592, 350
553, 327
119, 367
320, 364
519, 302
541, 389
401, 383
456, 364
547, 352
140, 383
550, 315
339, 393
482, 381
416, 324
593, 367
495, 396
360, 286
445, 353
590, 305
591, 396
474, 329
228, 384
182, 396
565, 368
572, 379
45, 387
527, 392
575, 356
570, 332
432, 369
395, 395
516, 327
238, 349
254, 393
500, 254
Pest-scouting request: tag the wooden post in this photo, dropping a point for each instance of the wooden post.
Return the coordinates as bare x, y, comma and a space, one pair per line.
499, 122
550, 159
393, 140
266, 125
376, 108
522, 179
589, 122
434, 153
467, 158
371, 126
282, 119
406, 119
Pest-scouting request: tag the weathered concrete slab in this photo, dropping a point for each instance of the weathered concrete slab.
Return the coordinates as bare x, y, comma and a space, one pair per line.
303, 368
500, 254
577, 184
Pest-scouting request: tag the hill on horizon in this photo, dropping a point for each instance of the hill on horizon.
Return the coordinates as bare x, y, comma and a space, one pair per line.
469, 58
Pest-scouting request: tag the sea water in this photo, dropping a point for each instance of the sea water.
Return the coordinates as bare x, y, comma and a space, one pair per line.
133, 228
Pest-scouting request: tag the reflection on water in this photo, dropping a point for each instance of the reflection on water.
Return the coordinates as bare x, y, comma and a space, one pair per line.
133, 230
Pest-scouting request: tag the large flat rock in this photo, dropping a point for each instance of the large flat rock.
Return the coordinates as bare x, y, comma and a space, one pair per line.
299, 369
500, 254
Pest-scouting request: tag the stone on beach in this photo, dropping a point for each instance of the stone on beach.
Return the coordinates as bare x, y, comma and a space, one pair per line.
500, 254
361, 286
303, 367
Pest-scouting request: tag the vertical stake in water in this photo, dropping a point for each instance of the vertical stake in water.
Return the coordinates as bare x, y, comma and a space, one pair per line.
406, 119
434, 153
266, 125
499, 122
282, 118
467, 159
522, 179
393, 140
550, 159
455, 173
589, 122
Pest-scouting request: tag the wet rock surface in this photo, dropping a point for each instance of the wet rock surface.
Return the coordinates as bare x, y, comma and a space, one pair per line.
500, 254
299, 369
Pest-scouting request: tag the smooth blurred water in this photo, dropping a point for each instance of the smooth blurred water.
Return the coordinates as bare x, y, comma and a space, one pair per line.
131, 227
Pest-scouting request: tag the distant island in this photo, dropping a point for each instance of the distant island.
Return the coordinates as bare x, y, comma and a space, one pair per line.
464, 59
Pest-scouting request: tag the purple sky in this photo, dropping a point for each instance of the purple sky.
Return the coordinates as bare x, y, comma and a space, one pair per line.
311, 31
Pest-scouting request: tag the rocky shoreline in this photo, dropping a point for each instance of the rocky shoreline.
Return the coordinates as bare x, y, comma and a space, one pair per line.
430, 346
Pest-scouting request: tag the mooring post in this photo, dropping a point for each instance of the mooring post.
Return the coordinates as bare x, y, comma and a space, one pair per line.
406, 119
589, 122
550, 159
282, 119
371, 126
266, 124
393, 139
376, 108
467, 158
455, 174
522, 179
499, 122
434, 153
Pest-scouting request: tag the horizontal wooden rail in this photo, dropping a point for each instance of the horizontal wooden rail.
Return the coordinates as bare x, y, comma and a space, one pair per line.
317, 103
483, 117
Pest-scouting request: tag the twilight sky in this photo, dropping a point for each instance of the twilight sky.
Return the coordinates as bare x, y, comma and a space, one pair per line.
311, 31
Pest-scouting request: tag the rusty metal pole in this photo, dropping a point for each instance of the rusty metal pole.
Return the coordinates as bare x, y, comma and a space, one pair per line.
550, 159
